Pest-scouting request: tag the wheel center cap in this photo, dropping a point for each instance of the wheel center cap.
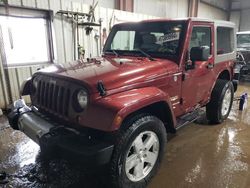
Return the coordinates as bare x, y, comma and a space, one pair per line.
142, 155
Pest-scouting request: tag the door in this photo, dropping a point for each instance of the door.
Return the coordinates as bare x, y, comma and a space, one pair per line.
198, 82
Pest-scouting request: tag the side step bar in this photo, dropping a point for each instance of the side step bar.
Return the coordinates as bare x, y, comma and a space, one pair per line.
189, 118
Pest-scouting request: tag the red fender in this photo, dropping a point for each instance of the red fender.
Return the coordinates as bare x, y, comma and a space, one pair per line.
112, 110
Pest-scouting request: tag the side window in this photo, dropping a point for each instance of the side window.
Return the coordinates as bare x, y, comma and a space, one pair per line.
224, 40
201, 36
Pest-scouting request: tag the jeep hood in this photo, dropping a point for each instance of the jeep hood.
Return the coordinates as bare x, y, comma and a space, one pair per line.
113, 72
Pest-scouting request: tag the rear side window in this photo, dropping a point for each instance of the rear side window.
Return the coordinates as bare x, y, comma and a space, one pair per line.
224, 40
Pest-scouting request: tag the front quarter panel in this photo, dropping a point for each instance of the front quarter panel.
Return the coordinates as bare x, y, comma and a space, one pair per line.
102, 113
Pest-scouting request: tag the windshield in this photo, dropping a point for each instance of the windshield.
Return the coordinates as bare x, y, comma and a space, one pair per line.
243, 39
156, 39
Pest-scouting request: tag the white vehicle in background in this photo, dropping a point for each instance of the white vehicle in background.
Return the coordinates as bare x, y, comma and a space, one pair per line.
243, 49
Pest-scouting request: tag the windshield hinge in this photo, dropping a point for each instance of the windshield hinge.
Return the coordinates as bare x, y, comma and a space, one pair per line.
101, 88
181, 101
183, 77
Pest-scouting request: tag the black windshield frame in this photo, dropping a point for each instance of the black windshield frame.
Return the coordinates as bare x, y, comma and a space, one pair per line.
138, 27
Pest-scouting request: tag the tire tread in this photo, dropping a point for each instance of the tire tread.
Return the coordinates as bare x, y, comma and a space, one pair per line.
129, 126
213, 107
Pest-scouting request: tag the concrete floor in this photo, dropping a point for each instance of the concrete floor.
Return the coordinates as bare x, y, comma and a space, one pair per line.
199, 155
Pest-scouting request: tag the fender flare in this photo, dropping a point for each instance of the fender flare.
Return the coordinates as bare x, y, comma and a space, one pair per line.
125, 103
230, 71
26, 87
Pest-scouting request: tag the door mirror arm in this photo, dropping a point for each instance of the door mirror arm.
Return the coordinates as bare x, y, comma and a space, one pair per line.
189, 65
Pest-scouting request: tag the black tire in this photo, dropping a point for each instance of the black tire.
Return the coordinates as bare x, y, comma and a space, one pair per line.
214, 107
135, 126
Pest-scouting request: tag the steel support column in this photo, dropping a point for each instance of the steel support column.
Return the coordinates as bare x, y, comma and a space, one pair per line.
126, 5
193, 8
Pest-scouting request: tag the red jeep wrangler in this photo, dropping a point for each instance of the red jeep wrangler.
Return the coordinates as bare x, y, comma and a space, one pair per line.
153, 77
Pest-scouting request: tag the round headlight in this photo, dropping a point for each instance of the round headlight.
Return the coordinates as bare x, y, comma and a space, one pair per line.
82, 98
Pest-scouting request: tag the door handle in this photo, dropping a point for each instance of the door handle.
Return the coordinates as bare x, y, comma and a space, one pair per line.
210, 65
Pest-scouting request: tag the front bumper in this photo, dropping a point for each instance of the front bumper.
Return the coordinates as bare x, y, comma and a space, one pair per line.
65, 142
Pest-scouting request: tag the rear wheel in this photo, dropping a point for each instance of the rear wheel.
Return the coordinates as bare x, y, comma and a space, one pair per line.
138, 152
219, 107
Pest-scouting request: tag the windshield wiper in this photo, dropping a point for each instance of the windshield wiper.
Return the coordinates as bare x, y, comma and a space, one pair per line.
145, 54
113, 52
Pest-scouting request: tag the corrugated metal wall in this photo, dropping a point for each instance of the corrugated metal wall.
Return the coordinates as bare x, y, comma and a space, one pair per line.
208, 11
241, 14
223, 4
244, 22
162, 8
64, 44
235, 17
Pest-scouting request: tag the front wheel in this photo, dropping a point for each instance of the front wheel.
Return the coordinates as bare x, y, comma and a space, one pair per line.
138, 152
219, 107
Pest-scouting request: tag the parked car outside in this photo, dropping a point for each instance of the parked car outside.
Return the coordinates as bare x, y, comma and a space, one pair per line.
243, 47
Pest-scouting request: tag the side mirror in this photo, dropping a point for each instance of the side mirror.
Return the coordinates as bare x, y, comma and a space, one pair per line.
199, 53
